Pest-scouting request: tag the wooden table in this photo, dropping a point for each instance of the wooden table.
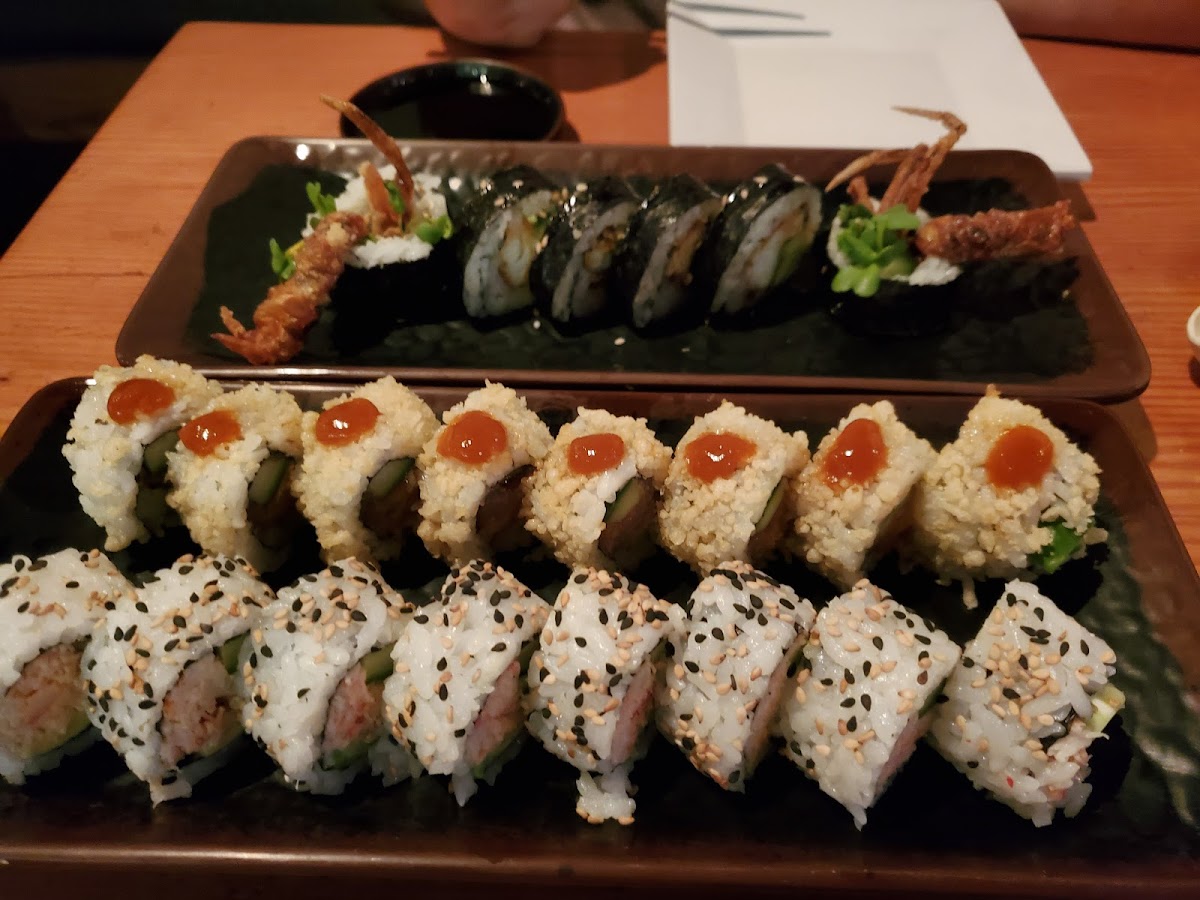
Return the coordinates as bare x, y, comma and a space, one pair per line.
72, 276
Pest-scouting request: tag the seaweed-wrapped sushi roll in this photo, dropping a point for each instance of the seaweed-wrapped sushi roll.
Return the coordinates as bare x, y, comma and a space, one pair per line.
359, 482
570, 276
853, 498
727, 494
592, 682
231, 475
473, 475
1010, 497
757, 241
594, 498
455, 697
652, 270
314, 673
48, 607
161, 670
1031, 693
725, 681
126, 422
502, 229
863, 695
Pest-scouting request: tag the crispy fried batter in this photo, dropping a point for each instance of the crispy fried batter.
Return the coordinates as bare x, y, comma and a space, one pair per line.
384, 143
997, 234
865, 162
291, 307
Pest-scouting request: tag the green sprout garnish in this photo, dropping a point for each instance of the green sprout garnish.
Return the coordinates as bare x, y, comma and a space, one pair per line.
395, 197
1061, 549
877, 246
322, 204
282, 263
433, 230
539, 221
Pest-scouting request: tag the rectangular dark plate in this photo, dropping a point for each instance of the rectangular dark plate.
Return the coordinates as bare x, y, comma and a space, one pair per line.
930, 833
1082, 346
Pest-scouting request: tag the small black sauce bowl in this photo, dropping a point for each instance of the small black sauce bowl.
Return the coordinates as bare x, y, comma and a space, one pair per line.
465, 99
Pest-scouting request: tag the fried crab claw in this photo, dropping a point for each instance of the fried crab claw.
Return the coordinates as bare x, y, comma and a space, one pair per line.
385, 220
991, 234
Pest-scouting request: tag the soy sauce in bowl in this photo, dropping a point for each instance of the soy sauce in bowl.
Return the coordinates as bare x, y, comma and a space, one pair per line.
461, 100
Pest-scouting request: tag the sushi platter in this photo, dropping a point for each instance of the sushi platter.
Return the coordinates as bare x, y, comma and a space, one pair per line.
1052, 329
1133, 591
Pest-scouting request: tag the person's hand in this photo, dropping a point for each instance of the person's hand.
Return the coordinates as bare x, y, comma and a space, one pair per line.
498, 23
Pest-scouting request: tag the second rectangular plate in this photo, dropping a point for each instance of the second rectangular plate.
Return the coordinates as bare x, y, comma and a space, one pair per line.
1081, 345
931, 833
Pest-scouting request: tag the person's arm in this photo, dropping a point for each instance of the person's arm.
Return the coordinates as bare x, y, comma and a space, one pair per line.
1166, 23
498, 23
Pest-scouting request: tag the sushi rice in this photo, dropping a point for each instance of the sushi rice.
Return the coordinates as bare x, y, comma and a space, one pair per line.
331, 481
311, 637
843, 529
965, 528
592, 682
454, 698
862, 697
724, 684
704, 524
105, 456
566, 509
48, 605
147, 644
452, 491
1031, 693
211, 492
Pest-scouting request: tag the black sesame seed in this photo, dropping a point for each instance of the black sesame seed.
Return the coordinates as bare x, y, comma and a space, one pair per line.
267, 652
146, 704
852, 725
1083, 645
878, 642
1064, 648
498, 616
579, 701
443, 662
1040, 613
580, 642
920, 638
24, 606
701, 637
358, 615
972, 764
302, 693
756, 601
923, 677
1011, 694
866, 702
848, 702
735, 776
718, 634
180, 622
443, 692
692, 666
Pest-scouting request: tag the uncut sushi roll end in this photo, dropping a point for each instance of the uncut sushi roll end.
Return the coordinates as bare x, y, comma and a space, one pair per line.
48, 607
724, 684
1010, 497
1030, 695
863, 695
455, 697
592, 682
160, 670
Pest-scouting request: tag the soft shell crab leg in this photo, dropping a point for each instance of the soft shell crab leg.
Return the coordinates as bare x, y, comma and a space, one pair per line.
915, 166
997, 234
291, 307
384, 143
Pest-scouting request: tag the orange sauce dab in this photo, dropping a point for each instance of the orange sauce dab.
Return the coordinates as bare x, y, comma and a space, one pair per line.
473, 438
138, 398
592, 454
714, 455
346, 422
858, 454
205, 434
1020, 458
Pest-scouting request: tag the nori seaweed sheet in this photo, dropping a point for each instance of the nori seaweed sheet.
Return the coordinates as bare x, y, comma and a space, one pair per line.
565, 228
669, 200
744, 204
792, 335
1145, 804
